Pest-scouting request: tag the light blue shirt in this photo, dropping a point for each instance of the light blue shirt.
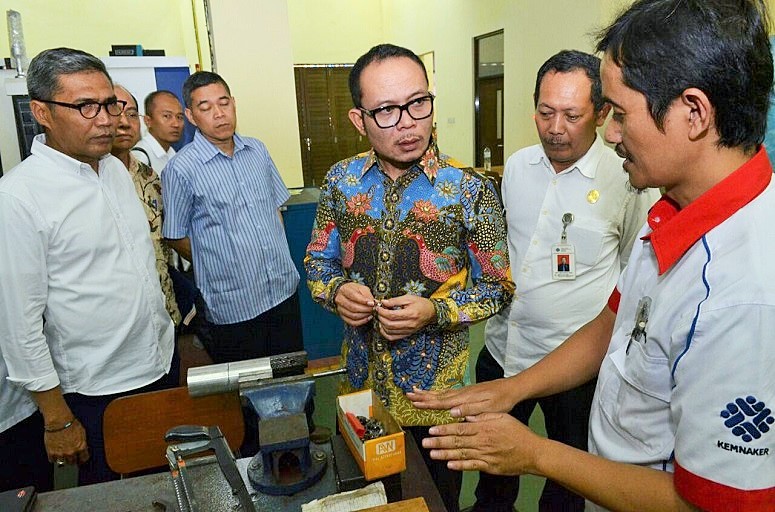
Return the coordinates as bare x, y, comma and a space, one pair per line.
227, 206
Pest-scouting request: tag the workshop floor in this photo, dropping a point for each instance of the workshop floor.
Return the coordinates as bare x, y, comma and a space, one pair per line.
193, 355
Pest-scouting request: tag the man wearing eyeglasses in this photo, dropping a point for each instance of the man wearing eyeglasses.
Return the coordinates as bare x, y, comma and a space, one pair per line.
164, 120
397, 235
148, 188
82, 315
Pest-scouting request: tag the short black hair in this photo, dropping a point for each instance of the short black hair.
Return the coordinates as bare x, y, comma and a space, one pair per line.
721, 47
151, 98
201, 79
376, 54
47, 66
568, 61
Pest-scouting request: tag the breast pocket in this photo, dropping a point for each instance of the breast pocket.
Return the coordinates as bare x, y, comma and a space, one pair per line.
219, 200
643, 399
588, 237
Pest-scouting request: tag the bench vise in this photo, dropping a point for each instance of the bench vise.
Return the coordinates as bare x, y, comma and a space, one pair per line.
281, 396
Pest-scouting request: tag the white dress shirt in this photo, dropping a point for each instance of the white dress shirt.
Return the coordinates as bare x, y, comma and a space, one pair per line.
607, 217
75, 251
157, 157
15, 403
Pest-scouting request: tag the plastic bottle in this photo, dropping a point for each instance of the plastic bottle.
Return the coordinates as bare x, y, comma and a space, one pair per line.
487, 160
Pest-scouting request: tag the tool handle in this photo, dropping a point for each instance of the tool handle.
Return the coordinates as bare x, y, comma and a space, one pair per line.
356, 424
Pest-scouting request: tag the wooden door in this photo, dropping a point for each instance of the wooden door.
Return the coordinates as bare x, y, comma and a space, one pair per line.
327, 136
490, 118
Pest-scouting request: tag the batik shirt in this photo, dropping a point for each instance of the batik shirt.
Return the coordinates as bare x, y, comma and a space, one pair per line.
425, 234
148, 187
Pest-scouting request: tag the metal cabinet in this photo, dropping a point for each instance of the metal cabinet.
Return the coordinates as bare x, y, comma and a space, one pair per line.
322, 330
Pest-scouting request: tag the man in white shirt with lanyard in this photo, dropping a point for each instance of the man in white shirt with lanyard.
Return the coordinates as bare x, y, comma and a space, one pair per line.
82, 316
572, 218
684, 351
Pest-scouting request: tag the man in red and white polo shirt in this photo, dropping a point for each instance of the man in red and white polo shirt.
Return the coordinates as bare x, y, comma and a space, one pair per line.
685, 350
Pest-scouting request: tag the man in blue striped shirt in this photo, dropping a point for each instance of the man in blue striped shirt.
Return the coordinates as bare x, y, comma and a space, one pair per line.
221, 194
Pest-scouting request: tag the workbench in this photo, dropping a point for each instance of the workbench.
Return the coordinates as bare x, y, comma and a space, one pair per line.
137, 494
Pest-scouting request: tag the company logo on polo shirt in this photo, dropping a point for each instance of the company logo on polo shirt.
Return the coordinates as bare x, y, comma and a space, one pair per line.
748, 418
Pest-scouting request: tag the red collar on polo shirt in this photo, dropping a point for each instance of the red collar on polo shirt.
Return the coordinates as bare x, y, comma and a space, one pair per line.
674, 230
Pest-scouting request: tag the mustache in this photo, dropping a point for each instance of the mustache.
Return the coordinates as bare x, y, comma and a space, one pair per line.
410, 137
554, 141
619, 149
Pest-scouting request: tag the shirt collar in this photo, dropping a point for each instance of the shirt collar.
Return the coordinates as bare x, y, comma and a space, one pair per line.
429, 163
138, 167
207, 150
675, 230
134, 164
155, 147
586, 165
63, 161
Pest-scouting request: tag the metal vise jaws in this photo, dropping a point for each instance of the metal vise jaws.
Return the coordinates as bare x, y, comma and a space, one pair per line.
284, 464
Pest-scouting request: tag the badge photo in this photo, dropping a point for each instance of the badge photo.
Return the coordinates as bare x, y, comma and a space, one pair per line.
563, 262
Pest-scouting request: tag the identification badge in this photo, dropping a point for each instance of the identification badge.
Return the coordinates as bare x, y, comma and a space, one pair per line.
563, 256
563, 262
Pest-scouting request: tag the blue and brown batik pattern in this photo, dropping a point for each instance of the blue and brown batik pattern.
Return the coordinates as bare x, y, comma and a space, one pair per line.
425, 234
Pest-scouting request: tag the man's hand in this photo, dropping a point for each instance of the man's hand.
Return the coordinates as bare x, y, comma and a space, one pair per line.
355, 304
491, 396
402, 316
182, 246
68, 445
495, 443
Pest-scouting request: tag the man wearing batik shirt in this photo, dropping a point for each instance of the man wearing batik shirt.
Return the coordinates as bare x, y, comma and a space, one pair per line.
397, 235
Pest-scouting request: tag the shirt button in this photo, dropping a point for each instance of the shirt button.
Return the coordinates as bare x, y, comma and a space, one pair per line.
384, 256
381, 287
394, 197
389, 224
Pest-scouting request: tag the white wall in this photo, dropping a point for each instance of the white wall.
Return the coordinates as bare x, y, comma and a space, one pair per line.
253, 54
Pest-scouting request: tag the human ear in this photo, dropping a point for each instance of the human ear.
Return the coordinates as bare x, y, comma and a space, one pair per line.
41, 112
356, 118
190, 117
602, 115
700, 112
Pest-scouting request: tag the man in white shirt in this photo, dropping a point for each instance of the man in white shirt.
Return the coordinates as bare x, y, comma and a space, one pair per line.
82, 316
164, 120
571, 223
682, 418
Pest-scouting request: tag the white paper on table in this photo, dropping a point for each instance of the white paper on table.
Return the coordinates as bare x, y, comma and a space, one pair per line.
370, 496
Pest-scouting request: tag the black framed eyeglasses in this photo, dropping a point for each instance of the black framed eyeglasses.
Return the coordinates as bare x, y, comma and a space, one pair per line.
91, 109
390, 115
